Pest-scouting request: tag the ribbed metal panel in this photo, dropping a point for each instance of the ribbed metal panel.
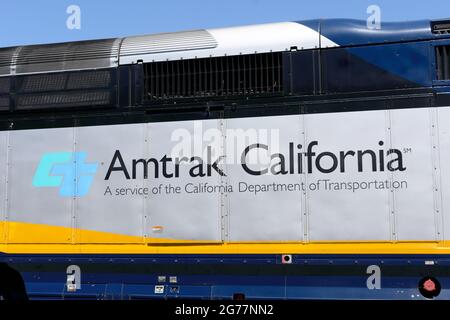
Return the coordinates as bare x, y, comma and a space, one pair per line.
6, 56
167, 42
60, 57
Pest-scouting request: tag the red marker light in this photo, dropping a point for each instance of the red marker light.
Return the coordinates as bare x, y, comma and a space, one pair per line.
429, 285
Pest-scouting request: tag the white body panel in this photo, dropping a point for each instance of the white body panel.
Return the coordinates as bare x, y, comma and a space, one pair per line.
235, 41
409, 201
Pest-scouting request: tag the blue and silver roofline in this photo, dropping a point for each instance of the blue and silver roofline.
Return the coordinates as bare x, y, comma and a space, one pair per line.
271, 37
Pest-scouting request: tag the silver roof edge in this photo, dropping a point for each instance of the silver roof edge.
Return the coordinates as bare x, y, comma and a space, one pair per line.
137, 46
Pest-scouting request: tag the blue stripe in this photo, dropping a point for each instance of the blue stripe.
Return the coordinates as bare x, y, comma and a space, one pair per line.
106, 284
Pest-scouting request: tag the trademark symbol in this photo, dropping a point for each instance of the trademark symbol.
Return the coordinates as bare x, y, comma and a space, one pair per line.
407, 150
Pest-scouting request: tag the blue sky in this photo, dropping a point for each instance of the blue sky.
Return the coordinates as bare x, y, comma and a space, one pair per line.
44, 21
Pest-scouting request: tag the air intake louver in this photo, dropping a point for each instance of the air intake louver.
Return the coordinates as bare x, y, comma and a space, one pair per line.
4, 93
72, 99
4, 85
76, 89
244, 75
443, 62
4, 102
440, 27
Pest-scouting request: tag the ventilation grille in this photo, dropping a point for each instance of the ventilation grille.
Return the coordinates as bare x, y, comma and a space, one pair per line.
4, 93
4, 85
76, 89
4, 102
84, 80
64, 81
443, 62
46, 82
72, 99
440, 27
243, 75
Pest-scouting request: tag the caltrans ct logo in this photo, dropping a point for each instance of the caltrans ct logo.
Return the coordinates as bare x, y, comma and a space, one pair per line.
66, 170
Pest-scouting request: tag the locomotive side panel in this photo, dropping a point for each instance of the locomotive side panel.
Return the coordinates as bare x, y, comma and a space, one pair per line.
355, 176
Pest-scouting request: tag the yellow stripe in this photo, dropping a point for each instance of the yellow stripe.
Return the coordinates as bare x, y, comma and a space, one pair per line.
37, 238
